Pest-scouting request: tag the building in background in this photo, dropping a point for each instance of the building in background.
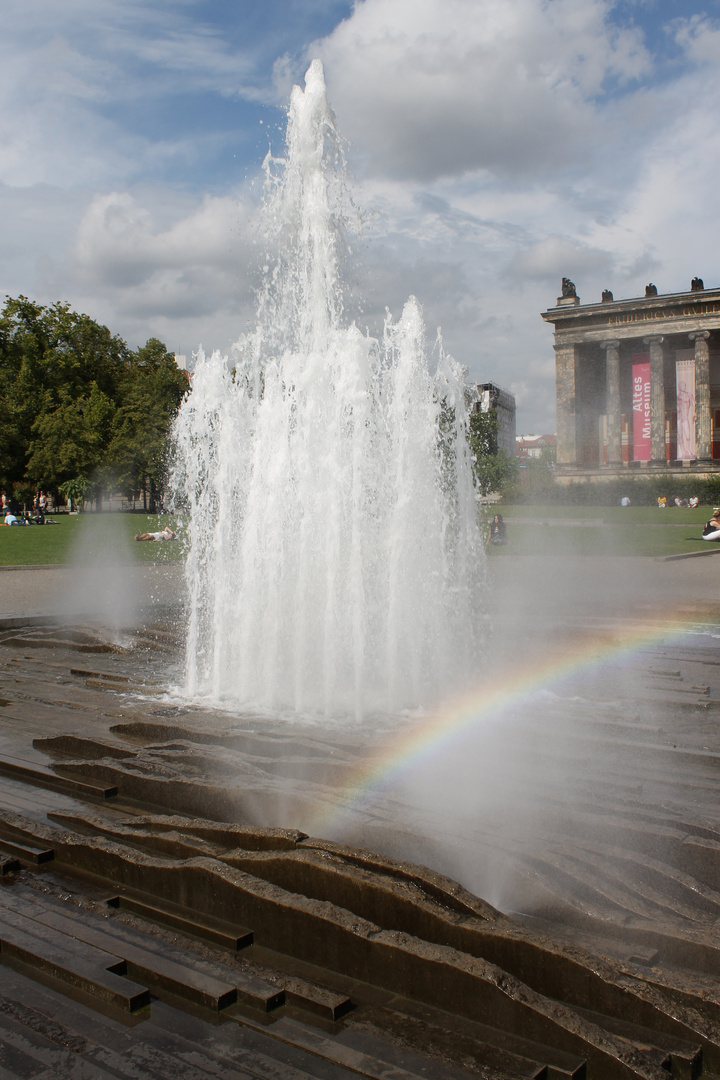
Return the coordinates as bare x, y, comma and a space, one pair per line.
489, 398
181, 361
535, 446
637, 383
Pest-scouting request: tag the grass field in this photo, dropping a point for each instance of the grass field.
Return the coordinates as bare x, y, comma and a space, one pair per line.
83, 537
532, 530
603, 530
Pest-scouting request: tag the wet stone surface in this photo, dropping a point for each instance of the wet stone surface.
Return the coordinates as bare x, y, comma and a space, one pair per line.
581, 805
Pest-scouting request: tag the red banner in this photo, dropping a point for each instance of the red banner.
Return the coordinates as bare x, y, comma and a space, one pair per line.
641, 408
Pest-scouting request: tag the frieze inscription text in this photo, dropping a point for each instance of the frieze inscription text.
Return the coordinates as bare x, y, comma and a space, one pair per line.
688, 311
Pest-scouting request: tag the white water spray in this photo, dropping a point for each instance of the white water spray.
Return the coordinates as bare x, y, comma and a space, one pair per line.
334, 558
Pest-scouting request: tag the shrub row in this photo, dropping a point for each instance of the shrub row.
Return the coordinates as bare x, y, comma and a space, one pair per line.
641, 492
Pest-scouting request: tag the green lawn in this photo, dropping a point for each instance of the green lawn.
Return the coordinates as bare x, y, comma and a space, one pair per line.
88, 537
532, 530
611, 515
608, 530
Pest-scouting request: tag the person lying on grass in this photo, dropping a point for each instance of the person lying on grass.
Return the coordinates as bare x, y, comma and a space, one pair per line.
166, 534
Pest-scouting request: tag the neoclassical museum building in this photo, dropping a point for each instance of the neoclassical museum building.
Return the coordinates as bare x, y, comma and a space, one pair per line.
638, 383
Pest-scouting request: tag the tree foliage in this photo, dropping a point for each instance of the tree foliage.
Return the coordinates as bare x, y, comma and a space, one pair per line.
493, 467
150, 394
78, 402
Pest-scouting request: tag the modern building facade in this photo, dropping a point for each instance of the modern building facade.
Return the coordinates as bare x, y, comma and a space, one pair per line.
638, 382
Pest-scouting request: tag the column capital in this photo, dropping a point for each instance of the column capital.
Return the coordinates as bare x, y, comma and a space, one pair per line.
614, 344
655, 339
704, 334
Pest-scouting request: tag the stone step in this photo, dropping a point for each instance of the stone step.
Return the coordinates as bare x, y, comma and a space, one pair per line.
375, 1059
167, 1043
316, 999
89, 969
80, 746
205, 927
158, 971
299, 992
27, 1055
493, 1047
28, 642
172, 1039
35, 772
8, 863
682, 1058
82, 673
28, 853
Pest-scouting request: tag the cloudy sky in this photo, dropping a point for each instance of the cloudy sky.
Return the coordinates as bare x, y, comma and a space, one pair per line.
495, 145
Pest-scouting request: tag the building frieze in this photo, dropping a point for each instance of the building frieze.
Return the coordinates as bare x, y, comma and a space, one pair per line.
670, 314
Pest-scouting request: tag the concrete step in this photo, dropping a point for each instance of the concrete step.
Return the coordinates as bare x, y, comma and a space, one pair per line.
27, 853
88, 969
316, 999
166, 1043
377, 1059
34, 771
80, 746
299, 992
8, 863
205, 927
157, 972
210, 991
27, 1055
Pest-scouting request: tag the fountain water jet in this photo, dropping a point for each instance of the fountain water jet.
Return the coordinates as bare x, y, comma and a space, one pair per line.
335, 560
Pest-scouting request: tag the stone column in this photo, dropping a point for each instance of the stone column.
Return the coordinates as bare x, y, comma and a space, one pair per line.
657, 399
612, 401
703, 426
566, 358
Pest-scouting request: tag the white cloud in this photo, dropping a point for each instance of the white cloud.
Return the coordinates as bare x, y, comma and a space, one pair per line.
699, 37
551, 256
149, 263
502, 144
441, 87
194, 269
507, 143
85, 85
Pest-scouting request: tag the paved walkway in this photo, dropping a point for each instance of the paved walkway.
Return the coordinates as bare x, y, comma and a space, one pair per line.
115, 591
542, 588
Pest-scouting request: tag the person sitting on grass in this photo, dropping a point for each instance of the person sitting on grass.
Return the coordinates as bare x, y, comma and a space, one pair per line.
712, 529
498, 531
10, 518
693, 502
662, 502
166, 534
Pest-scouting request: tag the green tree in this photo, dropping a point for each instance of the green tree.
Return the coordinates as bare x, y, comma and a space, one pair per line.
484, 433
74, 491
493, 467
79, 403
151, 390
59, 373
70, 439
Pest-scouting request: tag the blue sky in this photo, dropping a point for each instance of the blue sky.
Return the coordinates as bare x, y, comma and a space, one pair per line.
496, 145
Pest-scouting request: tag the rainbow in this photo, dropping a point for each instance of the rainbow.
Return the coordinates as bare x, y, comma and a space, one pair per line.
508, 687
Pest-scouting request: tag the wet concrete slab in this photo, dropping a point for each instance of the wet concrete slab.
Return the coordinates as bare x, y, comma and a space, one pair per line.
569, 926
